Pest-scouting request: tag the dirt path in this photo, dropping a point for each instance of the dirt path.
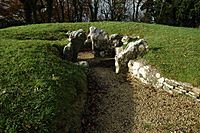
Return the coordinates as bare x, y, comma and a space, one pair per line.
118, 104
111, 103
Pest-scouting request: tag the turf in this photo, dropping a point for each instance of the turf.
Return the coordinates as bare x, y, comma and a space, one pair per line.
40, 92
174, 51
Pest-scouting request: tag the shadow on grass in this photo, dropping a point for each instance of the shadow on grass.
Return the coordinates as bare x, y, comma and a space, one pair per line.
155, 49
56, 50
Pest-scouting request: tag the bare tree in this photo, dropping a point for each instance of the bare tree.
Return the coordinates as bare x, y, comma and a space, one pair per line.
137, 9
93, 6
68, 10
49, 10
11, 9
115, 8
27, 10
133, 15
34, 9
61, 6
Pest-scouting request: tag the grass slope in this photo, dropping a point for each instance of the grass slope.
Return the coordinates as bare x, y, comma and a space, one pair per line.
173, 50
41, 92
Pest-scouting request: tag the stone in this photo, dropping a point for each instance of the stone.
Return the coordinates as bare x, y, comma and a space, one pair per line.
66, 52
133, 67
188, 85
159, 83
128, 53
161, 80
68, 33
149, 75
127, 39
77, 39
143, 80
118, 50
180, 90
192, 94
143, 72
100, 41
167, 88
157, 75
115, 40
172, 82
102, 53
196, 90
82, 63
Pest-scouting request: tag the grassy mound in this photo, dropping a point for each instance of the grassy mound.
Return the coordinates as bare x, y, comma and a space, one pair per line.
39, 92
173, 50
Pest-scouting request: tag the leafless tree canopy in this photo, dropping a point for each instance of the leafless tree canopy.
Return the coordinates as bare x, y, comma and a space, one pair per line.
172, 12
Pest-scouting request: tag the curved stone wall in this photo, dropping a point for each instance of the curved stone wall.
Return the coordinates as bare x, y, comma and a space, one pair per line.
147, 74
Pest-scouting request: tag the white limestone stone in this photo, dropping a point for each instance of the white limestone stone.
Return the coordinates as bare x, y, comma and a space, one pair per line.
82, 63
118, 50
196, 90
128, 53
143, 72
157, 75
160, 82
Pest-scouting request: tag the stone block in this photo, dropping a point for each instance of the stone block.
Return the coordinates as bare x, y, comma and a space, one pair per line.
143, 72
167, 88
158, 75
172, 82
128, 53
99, 39
180, 90
192, 94
118, 50
159, 83
82, 63
196, 90
77, 39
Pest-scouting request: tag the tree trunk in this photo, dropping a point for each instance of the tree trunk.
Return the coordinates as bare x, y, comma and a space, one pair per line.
133, 16
62, 7
74, 2
91, 12
34, 8
112, 10
57, 10
80, 14
96, 7
40, 9
68, 11
137, 9
49, 10
28, 11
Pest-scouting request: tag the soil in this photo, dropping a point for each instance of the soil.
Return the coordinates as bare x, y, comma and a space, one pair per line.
119, 104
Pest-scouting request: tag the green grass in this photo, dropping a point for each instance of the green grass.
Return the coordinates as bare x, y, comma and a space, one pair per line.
174, 51
39, 92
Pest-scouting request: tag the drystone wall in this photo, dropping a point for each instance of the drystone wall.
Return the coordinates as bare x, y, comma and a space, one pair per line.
139, 69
